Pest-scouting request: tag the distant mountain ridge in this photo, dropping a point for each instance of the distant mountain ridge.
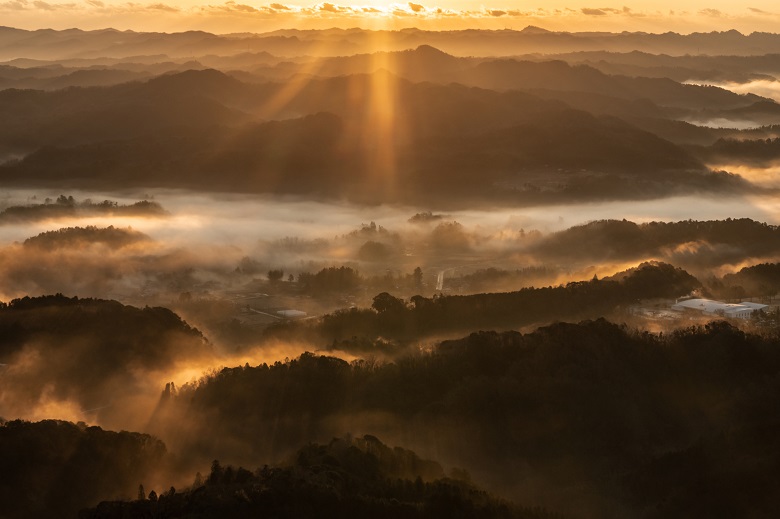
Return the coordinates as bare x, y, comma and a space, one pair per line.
75, 43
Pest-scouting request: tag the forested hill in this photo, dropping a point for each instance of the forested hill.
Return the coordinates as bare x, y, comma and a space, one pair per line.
54, 468
572, 417
205, 130
579, 419
715, 241
347, 477
394, 318
91, 356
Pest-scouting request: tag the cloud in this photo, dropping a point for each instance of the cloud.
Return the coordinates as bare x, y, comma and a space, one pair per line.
330, 8
711, 12
98, 5
233, 6
604, 11
45, 6
593, 12
228, 16
162, 7
15, 5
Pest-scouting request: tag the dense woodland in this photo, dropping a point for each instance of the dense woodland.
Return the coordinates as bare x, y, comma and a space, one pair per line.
85, 236
709, 243
394, 318
697, 401
66, 206
55, 468
690, 433
351, 477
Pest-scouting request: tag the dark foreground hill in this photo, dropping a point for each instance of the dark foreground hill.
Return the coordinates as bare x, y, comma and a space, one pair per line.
351, 477
54, 468
591, 419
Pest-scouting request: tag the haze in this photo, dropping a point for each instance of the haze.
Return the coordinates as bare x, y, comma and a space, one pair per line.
407, 260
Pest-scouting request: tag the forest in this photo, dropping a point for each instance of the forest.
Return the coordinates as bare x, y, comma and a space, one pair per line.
661, 447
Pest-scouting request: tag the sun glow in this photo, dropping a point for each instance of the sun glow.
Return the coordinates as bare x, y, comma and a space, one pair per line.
380, 127
239, 16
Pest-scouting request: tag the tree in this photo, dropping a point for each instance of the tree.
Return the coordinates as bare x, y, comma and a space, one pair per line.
385, 302
418, 277
66, 200
141, 493
215, 477
373, 251
275, 275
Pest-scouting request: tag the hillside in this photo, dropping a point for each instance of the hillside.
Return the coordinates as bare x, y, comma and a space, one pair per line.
434, 135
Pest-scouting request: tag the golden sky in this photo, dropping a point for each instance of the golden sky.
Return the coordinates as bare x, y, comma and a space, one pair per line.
237, 16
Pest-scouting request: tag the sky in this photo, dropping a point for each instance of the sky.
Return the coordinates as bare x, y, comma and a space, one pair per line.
230, 16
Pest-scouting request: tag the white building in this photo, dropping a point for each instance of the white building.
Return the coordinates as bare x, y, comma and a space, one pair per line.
292, 314
709, 307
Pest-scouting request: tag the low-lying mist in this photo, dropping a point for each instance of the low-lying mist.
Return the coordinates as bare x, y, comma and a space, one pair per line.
762, 87
208, 257
103, 363
210, 245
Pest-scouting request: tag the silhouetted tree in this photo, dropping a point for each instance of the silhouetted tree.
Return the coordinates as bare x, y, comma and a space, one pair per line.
386, 303
417, 277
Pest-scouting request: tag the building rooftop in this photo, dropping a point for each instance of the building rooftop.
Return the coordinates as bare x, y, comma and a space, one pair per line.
708, 306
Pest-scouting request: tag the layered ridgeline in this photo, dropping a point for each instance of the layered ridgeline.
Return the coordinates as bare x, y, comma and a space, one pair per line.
78, 46
369, 133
